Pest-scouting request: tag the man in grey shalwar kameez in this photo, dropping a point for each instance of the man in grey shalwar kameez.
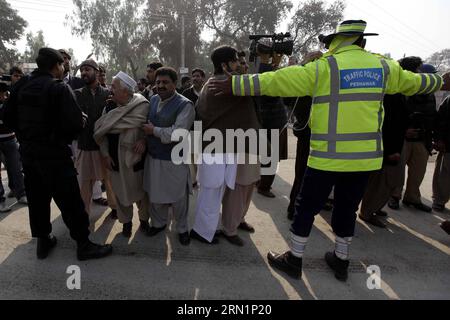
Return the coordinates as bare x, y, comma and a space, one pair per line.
167, 184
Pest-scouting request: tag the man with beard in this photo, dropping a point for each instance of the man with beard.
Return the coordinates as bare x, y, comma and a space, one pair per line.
116, 132
166, 183
218, 171
102, 76
150, 91
73, 82
88, 161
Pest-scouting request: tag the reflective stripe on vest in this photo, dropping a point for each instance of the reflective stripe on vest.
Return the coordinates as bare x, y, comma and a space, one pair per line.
332, 137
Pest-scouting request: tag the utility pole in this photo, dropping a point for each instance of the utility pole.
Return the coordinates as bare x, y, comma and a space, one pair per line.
183, 43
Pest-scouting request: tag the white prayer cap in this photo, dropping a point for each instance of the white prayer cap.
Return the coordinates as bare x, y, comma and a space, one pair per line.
127, 80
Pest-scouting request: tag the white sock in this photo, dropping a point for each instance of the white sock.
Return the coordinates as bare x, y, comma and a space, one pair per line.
342, 247
298, 245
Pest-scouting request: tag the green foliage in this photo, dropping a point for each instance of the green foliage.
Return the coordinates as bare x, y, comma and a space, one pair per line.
34, 43
312, 18
12, 27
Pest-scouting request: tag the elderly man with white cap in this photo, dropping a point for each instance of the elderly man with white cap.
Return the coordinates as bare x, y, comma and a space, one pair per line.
118, 132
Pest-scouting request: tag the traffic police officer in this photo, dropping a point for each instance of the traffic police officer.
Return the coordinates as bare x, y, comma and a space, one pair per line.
45, 116
347, 85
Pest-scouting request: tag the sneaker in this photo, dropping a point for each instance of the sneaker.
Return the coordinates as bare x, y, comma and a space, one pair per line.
4, 207
340, 267
23, 200
394, 204
89, 250
287, 263
45, 246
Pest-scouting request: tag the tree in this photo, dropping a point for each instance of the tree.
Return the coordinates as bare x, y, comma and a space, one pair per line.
119, 32
34, 43
441, 60
234, 20
165, 18
312, 18
12, 27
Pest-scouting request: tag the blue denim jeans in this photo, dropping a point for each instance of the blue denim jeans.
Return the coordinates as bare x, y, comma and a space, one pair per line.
13, 165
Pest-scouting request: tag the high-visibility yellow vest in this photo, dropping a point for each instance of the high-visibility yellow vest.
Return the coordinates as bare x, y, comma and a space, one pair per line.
348, 88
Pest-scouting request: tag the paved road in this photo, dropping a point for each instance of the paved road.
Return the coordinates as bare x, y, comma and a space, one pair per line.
413, 255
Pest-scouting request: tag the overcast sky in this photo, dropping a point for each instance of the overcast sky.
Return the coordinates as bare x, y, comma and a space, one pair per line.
406, 27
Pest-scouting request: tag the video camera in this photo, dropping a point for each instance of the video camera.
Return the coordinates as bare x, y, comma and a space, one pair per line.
279, 45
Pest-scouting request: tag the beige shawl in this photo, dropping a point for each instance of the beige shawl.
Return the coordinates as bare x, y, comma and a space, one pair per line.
126, 121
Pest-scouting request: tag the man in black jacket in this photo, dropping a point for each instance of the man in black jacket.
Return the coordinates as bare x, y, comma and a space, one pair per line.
382, 183
441, 179
45, 116
73, 82
421, 113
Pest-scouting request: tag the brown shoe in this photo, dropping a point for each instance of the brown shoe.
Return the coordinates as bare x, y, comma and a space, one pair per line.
246, 227
446, 226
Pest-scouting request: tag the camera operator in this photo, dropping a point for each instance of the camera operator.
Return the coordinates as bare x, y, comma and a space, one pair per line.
273, 112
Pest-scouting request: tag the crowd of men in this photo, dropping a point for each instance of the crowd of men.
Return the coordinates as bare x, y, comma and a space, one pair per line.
78, 136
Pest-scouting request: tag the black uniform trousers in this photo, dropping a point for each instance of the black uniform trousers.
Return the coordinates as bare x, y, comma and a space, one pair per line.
301, 162
349, 188
46, 180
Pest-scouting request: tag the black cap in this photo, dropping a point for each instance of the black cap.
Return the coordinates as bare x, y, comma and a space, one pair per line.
48, 57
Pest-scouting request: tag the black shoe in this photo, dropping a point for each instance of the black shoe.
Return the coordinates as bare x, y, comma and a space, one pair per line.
373, 220
287, 263
418, 206
381, 213
101, 202
266, 193
340, 267
127, 229
11, 195
144, 227
89, 250
184, 238
113, 214
234, 240
438, 208
394, 204
246, 227
196, 236
152, 231
446, 226
45, 246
